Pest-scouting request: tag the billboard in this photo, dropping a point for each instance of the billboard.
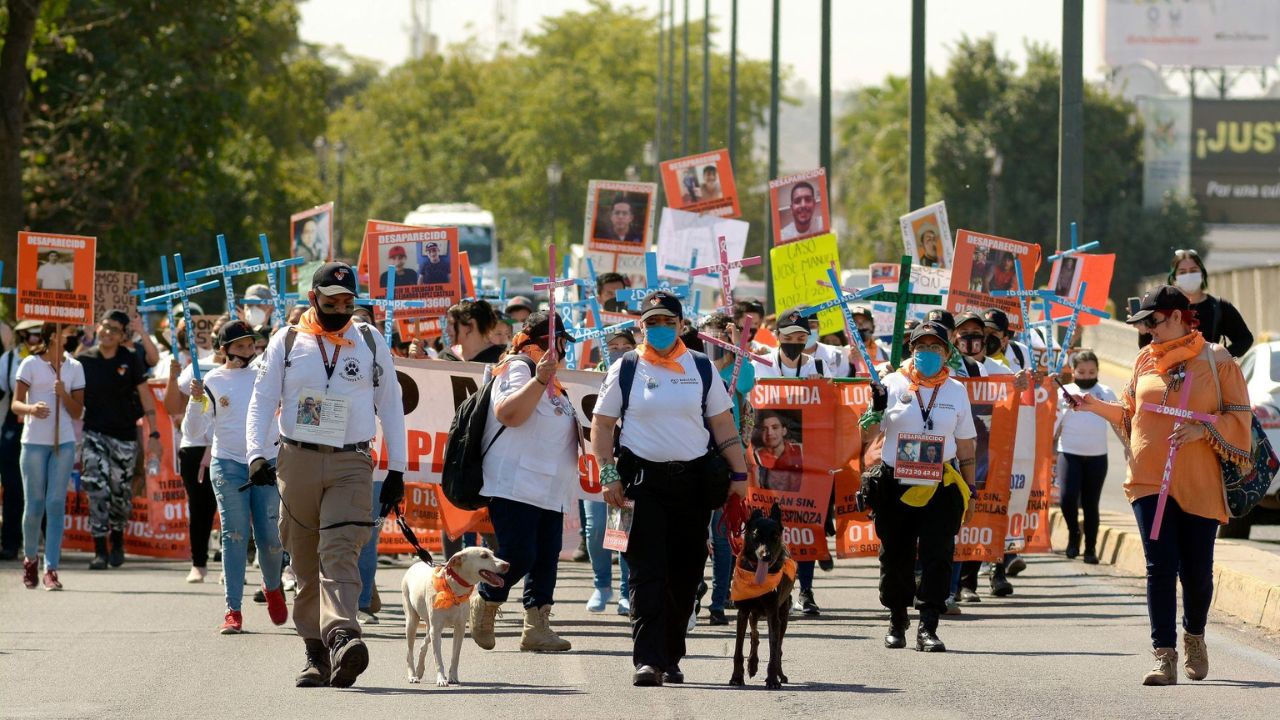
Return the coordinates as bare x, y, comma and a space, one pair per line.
1166, 148
1235, 168
1197, 33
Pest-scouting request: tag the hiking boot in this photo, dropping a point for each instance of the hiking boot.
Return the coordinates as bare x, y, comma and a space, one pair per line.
1196, 666
538, 635
277, 608
348, 657
1016, 566
968, 596
482, 615
232, 623
51, 581
927, 634
99, 561
30, 569
808, 605
717, 617
316, 672
116, 558
1000, 585
898, 624
1164, 672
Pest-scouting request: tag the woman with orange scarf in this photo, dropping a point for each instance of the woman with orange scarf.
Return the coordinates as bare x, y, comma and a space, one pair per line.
1196, 504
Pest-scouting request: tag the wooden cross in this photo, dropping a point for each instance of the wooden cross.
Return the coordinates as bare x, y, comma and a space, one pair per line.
842, 301
227, 270
741, 351
1077, 306
1074, 248
271, 268
904, 298
389, 305
183, 293
633, 296
1182, 415
721, 270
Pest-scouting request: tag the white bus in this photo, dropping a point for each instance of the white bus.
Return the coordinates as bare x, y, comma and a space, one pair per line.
475, 234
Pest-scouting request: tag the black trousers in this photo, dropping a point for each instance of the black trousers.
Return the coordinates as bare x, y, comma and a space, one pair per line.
667, 552
1081, 489
929, 532
202, 505
11, 479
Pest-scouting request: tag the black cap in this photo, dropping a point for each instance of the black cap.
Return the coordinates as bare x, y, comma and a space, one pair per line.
1165, 298
997, 319
793, 320
861, 310
969, 316
942, 317
661, 302
535, 326
233, 331
624, 333
929, 329
334, 278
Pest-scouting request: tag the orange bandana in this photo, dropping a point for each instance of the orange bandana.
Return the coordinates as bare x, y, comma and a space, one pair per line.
918, 381
1167, 355
533, 352
668, 361
745, 587
445, 596
310, 325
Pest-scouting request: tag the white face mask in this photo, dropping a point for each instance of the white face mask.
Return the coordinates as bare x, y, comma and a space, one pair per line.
1189, 282
255, 315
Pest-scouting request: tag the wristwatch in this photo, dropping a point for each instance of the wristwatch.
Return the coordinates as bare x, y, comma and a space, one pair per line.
155, 435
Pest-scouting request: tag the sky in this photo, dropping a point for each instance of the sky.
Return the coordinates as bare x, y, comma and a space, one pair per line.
871, 38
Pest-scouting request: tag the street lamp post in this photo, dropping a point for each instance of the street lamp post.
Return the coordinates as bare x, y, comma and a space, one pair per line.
993, 180
321, 147
555, 173
339, 158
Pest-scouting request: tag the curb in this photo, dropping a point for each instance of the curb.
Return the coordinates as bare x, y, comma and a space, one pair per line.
1253, 599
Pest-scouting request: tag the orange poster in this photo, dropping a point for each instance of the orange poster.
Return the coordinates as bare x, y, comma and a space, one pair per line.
800, 206
425, 263
1037, 515
165, 495
702, 184
139, 537
372, 226
984, 264
423, 517
994, 404
1067, 275
855, 531
55, 278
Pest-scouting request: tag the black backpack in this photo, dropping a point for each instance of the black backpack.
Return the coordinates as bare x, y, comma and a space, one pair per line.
463, 475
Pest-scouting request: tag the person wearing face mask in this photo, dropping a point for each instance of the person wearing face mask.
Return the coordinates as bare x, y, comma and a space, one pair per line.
1082, 441
518, 308
607, 287
617, 344
919, 515
835, 357
325, 463
676, 423
260, 312
1001, 346
790, 359
218, 408
1220, 321
755, 309
865, 324
29, 338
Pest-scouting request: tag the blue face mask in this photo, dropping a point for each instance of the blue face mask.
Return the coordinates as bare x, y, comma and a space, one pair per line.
613, 356
928, 362
812, 339
660, 337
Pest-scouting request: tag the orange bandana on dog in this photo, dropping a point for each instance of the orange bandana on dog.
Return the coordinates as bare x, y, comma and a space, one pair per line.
445, 596
745, 587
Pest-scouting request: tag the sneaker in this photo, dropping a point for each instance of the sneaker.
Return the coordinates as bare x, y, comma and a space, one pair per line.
1090, 559
826, 564
288, 580
1016, 566
808, 605
1196, 666
365, 617
968, 596
624, 606
348, 657
717, 617
953, 608
260, 597
51, 581
599, 599
277, 608
197, 574
693, 622
30, 569
232, 623
1163, 673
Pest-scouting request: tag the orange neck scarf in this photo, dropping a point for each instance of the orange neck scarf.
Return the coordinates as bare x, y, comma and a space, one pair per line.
745, 587
310, 325
918, 381
670, 361
1167, 355
445, 596
533, 352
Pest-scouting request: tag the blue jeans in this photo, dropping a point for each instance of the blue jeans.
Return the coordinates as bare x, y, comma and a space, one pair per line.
44, 484
1183, 552
597, 515
369, 554
721, 563
258, 506
529, 538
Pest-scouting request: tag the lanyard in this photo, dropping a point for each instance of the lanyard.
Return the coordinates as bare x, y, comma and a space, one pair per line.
329, 367
926, 412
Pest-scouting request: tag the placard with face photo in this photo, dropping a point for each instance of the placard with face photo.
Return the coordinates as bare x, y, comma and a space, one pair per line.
619, 216
311, 238
56, 278
800, 206
984, 264
425, 264
702, 184
926, 236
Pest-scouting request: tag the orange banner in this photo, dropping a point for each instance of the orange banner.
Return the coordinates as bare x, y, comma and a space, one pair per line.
994, 404
55, 278
1037, 516
165, 496
423, 516
139, 537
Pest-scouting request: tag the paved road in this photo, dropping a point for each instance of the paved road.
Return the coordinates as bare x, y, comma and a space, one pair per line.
139, 643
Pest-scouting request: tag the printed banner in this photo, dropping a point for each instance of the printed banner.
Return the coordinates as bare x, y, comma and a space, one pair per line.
1065, 279
311, 238
800, 205
56, 278
619, 216
702, 184
139, 536
984, 263
425, 263
994, 404
926, 236
1036, 519
797, 268
792, 455
166, 496
681, 233
1166, 148
926, 280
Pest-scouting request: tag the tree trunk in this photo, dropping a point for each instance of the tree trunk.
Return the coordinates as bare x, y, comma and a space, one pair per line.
13, 106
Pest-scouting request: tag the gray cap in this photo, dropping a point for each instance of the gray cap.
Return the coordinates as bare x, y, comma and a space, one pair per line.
258, 291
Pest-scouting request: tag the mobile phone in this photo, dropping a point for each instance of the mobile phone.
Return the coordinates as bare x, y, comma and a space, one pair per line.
1065, 393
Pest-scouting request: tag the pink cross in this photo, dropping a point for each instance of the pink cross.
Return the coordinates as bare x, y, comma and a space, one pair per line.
740, 351
1182, 414
722, 269
550, 286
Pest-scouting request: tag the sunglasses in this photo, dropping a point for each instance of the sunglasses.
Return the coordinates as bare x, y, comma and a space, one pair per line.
1184, 254
1148, 324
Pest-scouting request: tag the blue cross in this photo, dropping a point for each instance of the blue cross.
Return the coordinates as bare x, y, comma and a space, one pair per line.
271, 268
842, 301
1022, 296
184, 292
1075, 249
227, 270
5, 290
1077, 307
633, 296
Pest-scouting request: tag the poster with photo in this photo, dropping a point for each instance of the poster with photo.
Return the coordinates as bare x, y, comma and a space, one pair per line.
425, 264
919, 459
800, 206
311, 238
926, 236
984, 264
1067, 275
372, 226
924, 280
619, 216
681, 233
702, 184
56, 278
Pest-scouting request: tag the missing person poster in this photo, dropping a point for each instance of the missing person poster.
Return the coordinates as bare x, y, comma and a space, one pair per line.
56, 278
800, 206
919, 459
619, 216
681, 234
425, 264
702, 184
924, 280
984, 264
797, 269
311, 238
926, 236
1067, 275
372, 226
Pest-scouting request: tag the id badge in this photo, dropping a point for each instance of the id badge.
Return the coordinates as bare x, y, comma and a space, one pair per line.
919, 459
321, 418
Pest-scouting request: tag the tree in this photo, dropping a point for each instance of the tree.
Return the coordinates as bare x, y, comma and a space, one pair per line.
19, 21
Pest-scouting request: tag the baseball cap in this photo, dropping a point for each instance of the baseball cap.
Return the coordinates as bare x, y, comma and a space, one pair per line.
520, 302
929, 329
661, 302
942, 317
233, 331
1165, 298
432, 245
793, 321
397, 251
968, 316
995, 318
334, 278
862, 310
195, 309
258, 291
624, 333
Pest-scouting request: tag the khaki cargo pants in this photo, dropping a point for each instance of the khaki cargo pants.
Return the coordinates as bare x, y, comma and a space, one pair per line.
319, 490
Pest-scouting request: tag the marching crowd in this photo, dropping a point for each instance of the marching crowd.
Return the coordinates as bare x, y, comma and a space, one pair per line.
275, 431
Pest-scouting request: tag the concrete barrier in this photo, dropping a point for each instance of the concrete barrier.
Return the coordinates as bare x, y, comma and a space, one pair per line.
1112, 341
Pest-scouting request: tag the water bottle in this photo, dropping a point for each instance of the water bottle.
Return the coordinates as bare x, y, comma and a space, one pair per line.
153, 467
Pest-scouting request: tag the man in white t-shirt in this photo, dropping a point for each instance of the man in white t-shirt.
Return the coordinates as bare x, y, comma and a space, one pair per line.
53, 274
789, 359
806, 221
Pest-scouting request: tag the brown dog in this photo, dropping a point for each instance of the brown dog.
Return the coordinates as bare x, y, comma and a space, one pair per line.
762, 581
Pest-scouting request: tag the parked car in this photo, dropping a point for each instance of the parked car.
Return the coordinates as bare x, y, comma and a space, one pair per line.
1261, 367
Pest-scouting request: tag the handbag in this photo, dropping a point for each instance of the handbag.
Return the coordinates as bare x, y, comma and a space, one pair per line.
1242, 490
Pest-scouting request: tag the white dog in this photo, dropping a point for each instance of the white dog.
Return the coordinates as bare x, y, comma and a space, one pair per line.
439, 595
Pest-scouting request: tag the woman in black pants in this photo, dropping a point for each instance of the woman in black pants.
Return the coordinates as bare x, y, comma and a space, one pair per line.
1082, 440
201, 503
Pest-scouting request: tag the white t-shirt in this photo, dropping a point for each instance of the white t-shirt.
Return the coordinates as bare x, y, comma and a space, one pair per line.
986, 368
39, 377
808, 368
835, 359
1011, 356
224, 413
664, 419
951, 415
54, 276
1082, 433
789, 231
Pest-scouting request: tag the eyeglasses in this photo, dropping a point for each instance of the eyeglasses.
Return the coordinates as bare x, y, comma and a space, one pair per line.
1149, 324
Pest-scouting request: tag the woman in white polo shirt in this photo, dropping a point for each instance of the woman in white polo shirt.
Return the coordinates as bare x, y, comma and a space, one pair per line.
920, 503
677, 422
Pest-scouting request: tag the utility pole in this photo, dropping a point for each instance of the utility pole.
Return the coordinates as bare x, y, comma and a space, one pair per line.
706, 76
824, 96
733, 81
773, 144
671, 75
916, 192
1071, 121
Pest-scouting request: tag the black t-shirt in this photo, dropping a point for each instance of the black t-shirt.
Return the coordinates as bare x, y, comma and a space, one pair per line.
111, 405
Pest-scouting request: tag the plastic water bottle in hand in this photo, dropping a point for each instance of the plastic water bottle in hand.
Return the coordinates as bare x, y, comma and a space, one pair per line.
153, 467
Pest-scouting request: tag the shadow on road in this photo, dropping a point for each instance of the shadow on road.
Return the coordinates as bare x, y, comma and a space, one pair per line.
470, 689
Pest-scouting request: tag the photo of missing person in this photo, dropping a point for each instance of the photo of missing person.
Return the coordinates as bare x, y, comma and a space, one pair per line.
931, 452
802, 217
55, 271
1066, 276
779, 454
433, 267
397, 261
710, 187
309, 411
982, 423
883, 272
908, 451
311, 237
992, 270
690, 191
620, 216
929, 252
